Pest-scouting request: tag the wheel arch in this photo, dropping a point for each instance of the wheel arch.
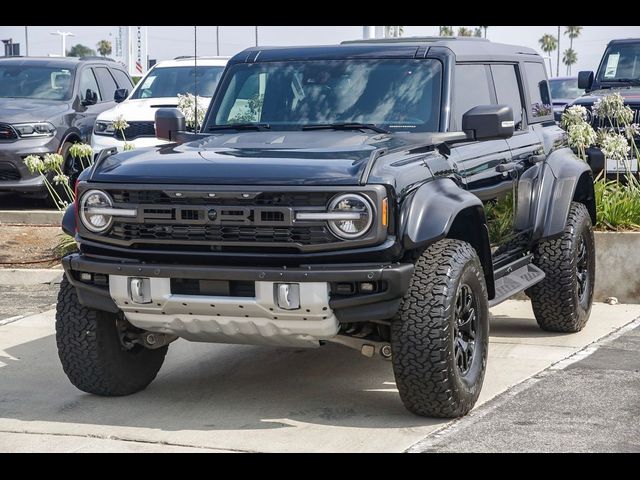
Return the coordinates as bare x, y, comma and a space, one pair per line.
441, 209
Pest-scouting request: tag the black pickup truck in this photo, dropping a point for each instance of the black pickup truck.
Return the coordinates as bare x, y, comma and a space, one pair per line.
336, 194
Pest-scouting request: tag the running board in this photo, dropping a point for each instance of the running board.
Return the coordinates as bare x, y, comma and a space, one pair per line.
515, 282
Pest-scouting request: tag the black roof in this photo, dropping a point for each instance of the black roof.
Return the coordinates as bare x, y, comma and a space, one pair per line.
625, 40
464, 49
55, 62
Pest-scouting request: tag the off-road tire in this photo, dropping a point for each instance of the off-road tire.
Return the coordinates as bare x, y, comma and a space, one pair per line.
91, 353
422, 334
556, 302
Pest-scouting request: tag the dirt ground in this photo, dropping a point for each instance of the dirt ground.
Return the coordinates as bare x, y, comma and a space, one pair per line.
28, 246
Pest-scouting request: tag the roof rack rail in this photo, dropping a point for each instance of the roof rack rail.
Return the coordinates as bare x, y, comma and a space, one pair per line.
95, 57
413, 40
203, 57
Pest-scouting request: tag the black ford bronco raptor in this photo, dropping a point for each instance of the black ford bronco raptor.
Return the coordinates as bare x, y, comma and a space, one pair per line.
378, 194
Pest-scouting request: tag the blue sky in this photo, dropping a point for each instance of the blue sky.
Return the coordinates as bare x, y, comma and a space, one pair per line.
168, 42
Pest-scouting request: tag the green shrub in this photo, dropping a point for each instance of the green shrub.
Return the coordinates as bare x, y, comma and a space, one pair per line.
618, 205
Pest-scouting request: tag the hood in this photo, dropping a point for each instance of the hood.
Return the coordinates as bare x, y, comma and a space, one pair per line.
631, 95
142, 109
252, 158
16, 110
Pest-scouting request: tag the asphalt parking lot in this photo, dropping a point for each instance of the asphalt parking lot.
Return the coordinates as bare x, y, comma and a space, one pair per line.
248, 399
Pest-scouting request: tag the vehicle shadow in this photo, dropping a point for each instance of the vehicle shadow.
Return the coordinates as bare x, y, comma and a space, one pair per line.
206, 387
503, 326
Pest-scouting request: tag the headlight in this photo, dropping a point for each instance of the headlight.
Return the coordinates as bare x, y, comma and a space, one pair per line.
37, 129
92, 206
362, 219
104, 128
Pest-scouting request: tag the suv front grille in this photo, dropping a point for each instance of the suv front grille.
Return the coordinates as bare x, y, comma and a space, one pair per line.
8, 172
221, 233
7, 132
137, 129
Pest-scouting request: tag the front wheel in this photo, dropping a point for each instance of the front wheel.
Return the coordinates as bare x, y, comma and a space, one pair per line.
440, 337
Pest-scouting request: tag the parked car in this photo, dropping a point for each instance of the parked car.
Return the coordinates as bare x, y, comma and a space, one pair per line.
336, 194
46, 105
158, 88
563, 91
619, 72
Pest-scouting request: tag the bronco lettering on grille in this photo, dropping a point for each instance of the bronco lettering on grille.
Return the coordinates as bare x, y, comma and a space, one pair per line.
218, 215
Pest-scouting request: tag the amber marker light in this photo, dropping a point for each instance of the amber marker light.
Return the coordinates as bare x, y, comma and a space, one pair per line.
385, 212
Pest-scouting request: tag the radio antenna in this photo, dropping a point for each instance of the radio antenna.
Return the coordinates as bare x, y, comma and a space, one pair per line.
195, 76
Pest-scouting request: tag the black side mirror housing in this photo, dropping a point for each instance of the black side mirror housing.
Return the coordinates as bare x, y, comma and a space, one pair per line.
489, 122
585, 80
90, 98
169, 122
120, 95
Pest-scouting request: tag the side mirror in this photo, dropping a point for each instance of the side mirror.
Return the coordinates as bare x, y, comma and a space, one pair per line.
120, 95
489, 122
169, 121
90, 97
585, 80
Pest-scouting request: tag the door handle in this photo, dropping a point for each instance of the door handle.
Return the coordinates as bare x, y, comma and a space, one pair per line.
506, 167
533, 159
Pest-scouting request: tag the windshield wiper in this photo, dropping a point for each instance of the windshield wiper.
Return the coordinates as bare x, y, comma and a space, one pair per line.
240, 126
632, 81
345, 126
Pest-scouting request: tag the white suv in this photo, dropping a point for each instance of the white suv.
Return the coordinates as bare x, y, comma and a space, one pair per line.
158, 88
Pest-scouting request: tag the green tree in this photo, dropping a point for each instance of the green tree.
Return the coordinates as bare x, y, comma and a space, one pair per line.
104, 47
572, 33
477, 32
548, 43
80, 50
446, 31
569, 57
465, 32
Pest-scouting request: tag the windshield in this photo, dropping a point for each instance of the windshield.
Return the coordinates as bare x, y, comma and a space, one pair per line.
171, 81
32, 81
397, 95
621, 62
565, 88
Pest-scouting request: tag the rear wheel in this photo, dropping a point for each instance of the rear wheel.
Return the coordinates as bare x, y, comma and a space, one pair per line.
440, 336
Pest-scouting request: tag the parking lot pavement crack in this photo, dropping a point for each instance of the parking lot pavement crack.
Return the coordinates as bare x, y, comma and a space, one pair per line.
125, 439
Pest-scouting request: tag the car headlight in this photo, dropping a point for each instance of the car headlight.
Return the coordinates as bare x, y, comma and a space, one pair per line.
93, 207
361, 218
36, 129
104, 128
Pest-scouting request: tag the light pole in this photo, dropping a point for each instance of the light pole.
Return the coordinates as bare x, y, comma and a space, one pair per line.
218, 40
26, 40
64, 36
256, 35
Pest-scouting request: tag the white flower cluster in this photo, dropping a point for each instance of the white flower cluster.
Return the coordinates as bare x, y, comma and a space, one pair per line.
187, 105
81, 150
615, 146
632, 131
120, 123
34, 163
61, 179
581, 135
573, 116
52, 162
128, 146
612, 107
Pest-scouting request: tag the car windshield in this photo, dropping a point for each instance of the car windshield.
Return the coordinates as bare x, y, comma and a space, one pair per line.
621, 63
171, 81
396, 95
565, 88
32, 81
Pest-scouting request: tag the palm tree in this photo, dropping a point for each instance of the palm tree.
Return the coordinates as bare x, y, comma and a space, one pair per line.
572, 32
548, 43
465, 32
484, 27
569, 57
477, 32
446, 31
104, 47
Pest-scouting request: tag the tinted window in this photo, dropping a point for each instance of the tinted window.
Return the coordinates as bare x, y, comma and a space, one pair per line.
107, 83
88, 81
505, 80
399, 95
621, 62
32, 81
171, 81
538, 89
122, 79
470, 89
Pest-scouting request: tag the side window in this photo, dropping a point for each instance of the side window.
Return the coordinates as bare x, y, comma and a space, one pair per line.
505, 80
88, 81
538, 90
470, 89
122, 79
107, 83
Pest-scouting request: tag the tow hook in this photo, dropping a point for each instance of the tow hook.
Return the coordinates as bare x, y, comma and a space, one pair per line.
157, 340
368, 348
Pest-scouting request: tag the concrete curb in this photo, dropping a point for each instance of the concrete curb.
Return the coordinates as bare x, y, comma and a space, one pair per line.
30, 276
31, 217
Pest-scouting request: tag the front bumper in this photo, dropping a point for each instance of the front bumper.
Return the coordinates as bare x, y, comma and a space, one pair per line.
12, 156
100, 142
256, 319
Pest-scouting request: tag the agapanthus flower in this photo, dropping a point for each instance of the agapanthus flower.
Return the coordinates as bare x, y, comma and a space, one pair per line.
81, 150
187, 105
52, 162
120, 123
61, 179
573, 115
541, 110
632, 131
615, 146
608, 106
34, 163
128, 146
581, 135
